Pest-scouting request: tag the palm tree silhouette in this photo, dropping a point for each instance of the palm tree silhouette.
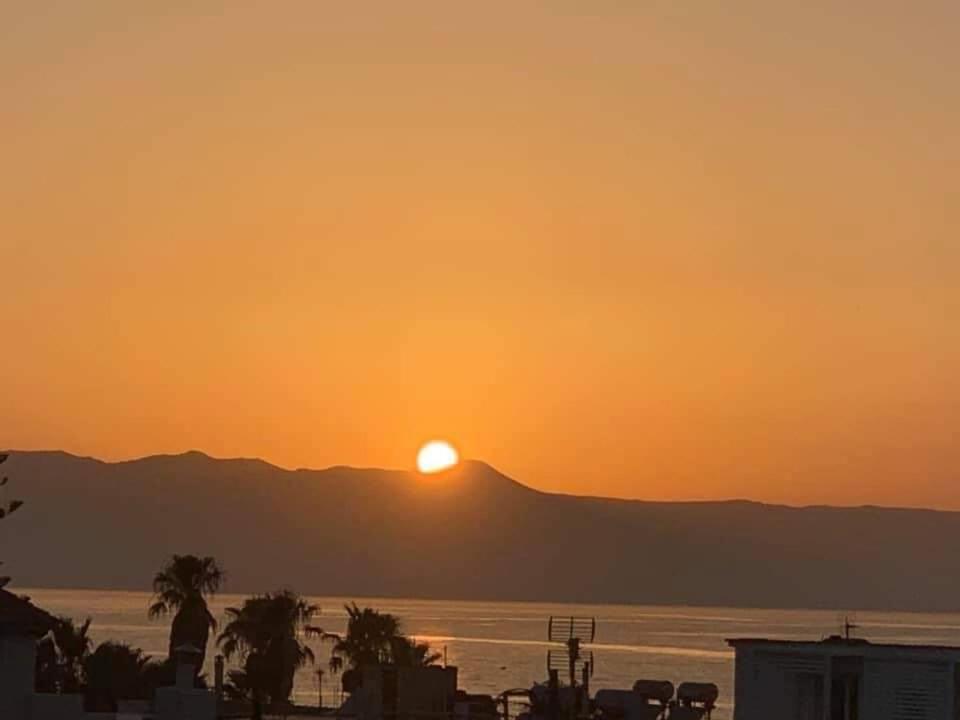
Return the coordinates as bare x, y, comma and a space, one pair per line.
374, 638
367, 640
61, 656
407, 652
117, 671
267, 633
182, 587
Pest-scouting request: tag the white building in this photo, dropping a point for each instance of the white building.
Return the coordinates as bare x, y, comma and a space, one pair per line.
21, 625
840, 679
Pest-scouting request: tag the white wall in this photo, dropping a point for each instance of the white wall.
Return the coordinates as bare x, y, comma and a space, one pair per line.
17, 662
172, 703
898, 690
891, 689
766, 683
44, 706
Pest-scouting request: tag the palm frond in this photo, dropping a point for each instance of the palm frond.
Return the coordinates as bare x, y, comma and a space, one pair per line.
157, 610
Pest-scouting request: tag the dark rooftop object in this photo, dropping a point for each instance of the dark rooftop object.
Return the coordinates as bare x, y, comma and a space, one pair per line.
838, 641
18, 616
841, 640
188, 649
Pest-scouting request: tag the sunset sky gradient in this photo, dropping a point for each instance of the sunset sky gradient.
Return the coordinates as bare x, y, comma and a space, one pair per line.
645, 249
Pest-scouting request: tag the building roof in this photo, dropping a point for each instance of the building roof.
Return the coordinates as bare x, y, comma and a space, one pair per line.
836, 645
18, 616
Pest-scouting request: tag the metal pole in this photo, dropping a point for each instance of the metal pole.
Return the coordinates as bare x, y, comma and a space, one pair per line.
586, 682
553, 704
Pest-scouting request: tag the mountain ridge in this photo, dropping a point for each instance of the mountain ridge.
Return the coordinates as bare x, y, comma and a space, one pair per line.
194, 453
468, 533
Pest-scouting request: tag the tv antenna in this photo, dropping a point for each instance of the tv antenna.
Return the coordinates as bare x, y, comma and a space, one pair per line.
849, 624
573, 633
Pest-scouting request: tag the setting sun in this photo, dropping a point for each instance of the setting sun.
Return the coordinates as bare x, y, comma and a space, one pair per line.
435, 456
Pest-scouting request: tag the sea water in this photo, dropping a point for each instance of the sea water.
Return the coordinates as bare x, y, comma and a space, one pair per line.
499, 646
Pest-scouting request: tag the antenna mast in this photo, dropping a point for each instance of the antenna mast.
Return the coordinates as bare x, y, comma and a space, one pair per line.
572, 633
848, 625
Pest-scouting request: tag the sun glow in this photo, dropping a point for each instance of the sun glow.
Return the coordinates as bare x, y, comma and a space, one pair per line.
435, 456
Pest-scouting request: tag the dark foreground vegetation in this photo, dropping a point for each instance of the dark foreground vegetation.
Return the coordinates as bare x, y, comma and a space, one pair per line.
265, 639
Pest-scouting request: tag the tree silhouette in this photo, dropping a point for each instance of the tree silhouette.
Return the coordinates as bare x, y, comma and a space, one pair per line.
182, 587
374, 638
407, 652
7, 507
267, 634
61, 656
367, 640
116, 671
237, 686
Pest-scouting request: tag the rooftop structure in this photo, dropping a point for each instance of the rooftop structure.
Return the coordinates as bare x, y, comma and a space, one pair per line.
845, 679
390, 691
22, 624
18, 616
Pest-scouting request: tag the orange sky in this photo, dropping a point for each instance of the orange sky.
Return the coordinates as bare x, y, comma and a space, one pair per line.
648, 249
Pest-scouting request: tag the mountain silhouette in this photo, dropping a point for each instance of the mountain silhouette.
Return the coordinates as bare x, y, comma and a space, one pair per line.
468, 533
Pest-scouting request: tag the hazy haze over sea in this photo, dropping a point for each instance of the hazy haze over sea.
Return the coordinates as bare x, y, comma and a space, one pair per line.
502, 645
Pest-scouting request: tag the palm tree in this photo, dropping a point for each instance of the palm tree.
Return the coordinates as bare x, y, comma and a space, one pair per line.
407, 652
367, 640
182, 587
374, 638
61, 657
73, 645
266, 633
116, 671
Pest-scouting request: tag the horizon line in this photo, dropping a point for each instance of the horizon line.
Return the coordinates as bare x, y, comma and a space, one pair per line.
476, 461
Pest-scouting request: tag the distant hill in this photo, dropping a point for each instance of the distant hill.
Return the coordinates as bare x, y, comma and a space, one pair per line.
470, 533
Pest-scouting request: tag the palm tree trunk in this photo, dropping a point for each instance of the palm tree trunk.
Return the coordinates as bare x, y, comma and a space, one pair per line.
190, 627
